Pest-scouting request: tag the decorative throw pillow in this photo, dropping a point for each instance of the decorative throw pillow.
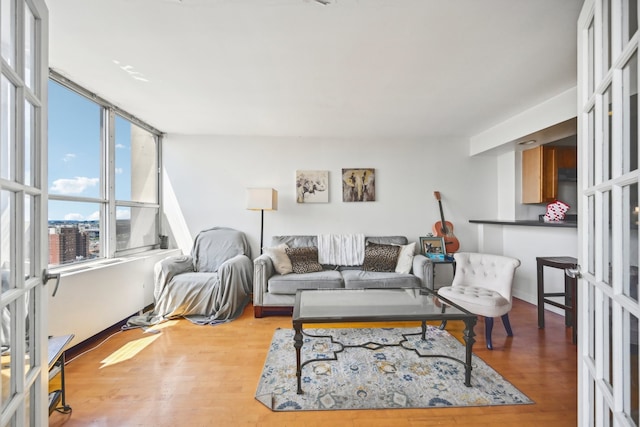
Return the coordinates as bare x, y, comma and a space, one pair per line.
279, 257
405, 258
304, 260
380, 257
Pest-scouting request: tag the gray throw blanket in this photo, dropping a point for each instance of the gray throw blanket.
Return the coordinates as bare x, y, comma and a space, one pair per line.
209, 287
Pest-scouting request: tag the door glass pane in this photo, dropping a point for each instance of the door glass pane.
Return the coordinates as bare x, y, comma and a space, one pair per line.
31, 320
8, 342
606, 30
607, 136
136, 163
630, 239
8, 31
591, 58
590, 146
630, 119
608, 237
74, 231
6, 212
630, 19
136, 227
592, 229
631, 374
29, 229
607, 339
591, 295
29, 47
29, 133
74, 143
7, 127
630, 256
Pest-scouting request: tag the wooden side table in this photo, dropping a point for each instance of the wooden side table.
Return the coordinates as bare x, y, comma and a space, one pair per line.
57, 398
570, 292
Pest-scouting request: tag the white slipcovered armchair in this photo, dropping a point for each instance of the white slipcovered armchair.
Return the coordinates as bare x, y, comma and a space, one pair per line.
210, 286
482, 284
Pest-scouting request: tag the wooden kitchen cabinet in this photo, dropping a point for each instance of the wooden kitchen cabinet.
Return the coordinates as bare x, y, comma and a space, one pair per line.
540, 171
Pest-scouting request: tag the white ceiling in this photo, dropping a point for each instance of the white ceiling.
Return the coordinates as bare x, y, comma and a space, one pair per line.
351, 68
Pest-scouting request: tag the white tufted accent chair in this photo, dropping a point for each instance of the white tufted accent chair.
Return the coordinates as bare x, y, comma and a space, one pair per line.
482, 285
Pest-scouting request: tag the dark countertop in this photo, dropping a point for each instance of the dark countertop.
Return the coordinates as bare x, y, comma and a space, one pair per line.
527, 222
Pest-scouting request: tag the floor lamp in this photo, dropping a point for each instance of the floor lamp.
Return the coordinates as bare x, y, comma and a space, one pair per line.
262, 199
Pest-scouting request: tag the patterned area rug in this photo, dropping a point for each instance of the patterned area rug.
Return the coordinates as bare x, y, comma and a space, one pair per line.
378, 378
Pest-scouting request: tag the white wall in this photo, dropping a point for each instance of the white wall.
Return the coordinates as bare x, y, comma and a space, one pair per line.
206, 178
93, 299
526, 243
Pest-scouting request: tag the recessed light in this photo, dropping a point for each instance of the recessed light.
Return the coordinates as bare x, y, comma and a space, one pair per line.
528, 142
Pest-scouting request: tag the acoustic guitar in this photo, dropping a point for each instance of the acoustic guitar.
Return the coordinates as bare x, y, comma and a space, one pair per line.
444, 229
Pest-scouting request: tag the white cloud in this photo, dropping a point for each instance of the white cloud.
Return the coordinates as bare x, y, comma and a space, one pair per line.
73, 186
68, 157
121, 146
123, 213
73, 217
119, 171
94, 216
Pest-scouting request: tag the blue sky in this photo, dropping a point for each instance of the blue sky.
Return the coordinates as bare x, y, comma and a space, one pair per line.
74, 155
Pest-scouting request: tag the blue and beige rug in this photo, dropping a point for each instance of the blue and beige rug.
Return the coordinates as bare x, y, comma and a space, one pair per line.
387, 377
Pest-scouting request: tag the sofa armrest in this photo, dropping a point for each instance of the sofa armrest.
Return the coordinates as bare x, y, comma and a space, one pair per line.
262, 270
166, 269
423, 269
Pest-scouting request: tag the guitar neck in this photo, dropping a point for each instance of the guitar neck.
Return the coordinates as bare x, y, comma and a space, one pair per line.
444, 224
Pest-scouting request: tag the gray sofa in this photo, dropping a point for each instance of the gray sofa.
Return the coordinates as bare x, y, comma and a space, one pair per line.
274, 293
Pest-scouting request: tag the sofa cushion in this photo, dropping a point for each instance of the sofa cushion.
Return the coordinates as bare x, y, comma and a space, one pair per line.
360, 279
380, 257
304, 260
279, 258
290, 283
295, 241
405, 258
386, 240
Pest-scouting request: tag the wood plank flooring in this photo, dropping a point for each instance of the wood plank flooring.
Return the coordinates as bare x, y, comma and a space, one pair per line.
207, 376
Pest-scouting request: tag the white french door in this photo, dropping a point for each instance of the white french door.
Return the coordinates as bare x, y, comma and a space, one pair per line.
23, 226
609, 310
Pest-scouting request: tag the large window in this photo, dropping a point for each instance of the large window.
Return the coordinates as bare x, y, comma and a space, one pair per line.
103, 178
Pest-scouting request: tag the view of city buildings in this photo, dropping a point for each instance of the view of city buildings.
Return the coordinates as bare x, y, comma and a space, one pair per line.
72, 241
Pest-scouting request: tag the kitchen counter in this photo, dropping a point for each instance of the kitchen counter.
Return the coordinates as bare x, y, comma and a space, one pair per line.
527, 222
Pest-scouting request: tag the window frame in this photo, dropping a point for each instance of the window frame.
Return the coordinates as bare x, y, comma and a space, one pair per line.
107, 200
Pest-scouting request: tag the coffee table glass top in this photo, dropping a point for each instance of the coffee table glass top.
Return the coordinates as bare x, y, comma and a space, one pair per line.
374, 304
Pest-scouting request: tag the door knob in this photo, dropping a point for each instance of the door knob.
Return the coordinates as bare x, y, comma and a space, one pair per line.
574, 273
46, 276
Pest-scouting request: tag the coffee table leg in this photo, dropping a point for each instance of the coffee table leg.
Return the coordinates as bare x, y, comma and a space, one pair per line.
468, 335
297, 343
424, 330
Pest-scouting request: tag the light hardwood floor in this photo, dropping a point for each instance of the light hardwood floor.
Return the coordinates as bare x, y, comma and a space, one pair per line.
188, 375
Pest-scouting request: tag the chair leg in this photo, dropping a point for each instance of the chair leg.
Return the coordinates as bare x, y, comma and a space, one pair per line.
488, 327
507, 324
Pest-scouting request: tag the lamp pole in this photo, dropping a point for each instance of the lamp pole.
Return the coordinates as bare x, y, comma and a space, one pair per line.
261, 228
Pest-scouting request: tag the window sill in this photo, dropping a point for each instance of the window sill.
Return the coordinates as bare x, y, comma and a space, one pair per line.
83, 267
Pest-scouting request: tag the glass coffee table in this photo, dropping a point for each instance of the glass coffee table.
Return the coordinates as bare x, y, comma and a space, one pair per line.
378, 305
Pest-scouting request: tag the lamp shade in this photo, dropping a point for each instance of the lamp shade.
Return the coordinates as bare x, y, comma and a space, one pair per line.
262, 199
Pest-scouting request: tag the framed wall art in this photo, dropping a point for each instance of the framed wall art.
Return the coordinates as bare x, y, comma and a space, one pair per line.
358, 185
312, 186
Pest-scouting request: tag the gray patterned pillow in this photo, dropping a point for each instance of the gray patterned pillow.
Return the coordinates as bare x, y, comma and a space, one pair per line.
380, 257
304, 260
